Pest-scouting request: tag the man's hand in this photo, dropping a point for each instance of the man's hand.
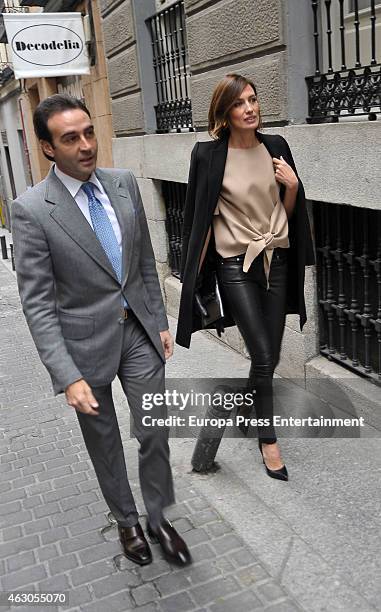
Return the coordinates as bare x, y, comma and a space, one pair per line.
80, 397
167, 342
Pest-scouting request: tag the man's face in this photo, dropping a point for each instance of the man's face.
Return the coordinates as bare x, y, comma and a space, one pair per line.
75, 146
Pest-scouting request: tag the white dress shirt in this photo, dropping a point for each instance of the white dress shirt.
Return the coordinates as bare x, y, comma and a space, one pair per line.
73, 185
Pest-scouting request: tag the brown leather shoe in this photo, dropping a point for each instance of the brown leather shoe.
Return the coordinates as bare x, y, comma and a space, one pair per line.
135, 545
173, 546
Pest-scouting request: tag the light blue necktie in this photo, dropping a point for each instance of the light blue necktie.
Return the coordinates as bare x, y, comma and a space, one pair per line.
104, 231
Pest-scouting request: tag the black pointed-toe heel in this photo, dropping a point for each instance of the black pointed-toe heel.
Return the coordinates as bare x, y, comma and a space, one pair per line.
280, 474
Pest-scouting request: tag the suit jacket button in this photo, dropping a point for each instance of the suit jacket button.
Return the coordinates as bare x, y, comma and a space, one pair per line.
121, 320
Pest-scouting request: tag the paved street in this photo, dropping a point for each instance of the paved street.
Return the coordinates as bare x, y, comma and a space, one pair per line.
311, 544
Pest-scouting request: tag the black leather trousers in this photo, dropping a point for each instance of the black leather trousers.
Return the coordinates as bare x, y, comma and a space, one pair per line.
259, 314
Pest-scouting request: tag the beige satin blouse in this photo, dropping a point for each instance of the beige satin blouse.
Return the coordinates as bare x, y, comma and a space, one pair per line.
249, 216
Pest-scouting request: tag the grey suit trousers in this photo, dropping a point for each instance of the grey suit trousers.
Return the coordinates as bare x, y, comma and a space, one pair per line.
141, 371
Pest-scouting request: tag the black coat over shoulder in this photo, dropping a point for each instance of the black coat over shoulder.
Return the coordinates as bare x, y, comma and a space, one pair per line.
204, 185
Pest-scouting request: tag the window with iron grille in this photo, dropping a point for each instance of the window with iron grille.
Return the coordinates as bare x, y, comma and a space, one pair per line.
347, 79
174, 198
348, 244
171, 67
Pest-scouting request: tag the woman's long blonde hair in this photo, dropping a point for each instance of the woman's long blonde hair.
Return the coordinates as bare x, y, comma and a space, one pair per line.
225, 94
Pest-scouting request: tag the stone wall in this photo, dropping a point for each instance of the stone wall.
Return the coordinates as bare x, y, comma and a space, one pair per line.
129, 62
120, 50
336, 163
271, 42
237, 36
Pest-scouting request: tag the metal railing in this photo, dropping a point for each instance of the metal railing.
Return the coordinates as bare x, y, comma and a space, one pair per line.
14, 6
171, 67
174, 198
40, 3
347, 79
6, 66
348, 244
6, 72
9, 6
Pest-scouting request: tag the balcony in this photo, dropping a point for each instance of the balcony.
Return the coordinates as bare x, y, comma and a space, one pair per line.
6, 73
28, 3
347, 79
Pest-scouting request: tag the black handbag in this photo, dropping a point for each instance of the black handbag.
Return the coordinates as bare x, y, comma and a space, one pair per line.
209, 305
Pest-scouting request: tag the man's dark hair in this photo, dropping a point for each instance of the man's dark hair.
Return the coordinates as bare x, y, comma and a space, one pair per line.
57, 103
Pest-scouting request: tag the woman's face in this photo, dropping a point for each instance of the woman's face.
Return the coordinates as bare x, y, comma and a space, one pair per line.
244, 114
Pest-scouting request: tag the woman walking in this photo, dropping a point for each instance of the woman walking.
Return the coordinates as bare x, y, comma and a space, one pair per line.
245, 221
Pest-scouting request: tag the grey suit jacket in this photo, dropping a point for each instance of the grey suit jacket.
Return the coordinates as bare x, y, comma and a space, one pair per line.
71, 297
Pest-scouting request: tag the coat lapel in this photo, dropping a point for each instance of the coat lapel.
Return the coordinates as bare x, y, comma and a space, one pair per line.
70, 218
217, 161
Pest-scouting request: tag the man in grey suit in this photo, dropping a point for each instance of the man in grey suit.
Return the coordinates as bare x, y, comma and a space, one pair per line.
90, 294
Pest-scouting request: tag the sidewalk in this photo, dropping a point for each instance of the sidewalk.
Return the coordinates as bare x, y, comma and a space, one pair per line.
311, 544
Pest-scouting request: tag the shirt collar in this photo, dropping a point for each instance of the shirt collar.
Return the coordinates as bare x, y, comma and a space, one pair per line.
73, 185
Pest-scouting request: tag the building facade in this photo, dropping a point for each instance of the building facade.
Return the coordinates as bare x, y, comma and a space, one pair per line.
15, 171
154, 64
28, 166
318, 80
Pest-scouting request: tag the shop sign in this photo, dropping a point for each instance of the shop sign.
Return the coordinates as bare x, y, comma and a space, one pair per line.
46, 44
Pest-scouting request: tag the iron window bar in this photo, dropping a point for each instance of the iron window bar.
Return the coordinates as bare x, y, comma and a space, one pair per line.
6, 72
348, 245
174, 198
351, 90
171, 67
14, 6
9, 6
5, 62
